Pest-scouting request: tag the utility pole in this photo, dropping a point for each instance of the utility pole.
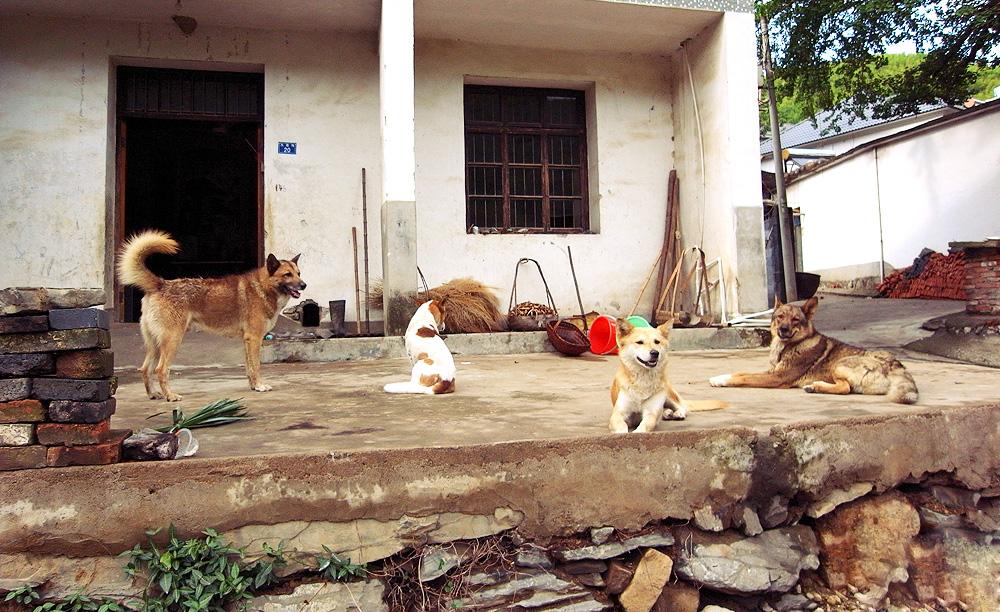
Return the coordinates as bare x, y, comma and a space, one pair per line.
787, 252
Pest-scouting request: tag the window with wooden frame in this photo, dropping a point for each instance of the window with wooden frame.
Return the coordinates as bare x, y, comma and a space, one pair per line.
525, 160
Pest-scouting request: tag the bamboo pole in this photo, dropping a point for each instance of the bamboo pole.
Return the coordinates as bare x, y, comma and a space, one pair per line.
572, 269
357, 287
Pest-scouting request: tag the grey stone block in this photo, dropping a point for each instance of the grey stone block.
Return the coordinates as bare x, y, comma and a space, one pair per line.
26, 364
65, 411
22, 325
14, 389
25, 300
71, 389
79, 318
58, 340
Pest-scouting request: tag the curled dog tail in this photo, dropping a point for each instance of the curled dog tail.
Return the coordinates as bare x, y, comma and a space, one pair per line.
902, 389
706, 405
132, 268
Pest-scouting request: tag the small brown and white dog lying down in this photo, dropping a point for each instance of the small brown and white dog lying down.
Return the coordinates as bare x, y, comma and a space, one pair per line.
641, 392
433, 366
803, 357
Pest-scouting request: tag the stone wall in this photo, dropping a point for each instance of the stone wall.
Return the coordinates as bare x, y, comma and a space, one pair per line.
922, 547
847, 515
56, 380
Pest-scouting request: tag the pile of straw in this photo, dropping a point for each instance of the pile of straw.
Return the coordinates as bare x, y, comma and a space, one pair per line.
469, 306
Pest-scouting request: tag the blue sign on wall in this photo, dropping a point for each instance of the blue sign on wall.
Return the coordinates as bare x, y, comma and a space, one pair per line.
287, 148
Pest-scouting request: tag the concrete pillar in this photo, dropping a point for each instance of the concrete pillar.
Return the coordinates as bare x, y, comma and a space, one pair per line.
742, 161
716, 154
399, 223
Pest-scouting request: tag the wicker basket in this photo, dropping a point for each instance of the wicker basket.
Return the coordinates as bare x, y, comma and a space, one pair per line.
567, 338
535, 322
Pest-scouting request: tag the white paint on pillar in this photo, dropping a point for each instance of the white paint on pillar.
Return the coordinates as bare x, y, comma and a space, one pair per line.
399, 223
396, 101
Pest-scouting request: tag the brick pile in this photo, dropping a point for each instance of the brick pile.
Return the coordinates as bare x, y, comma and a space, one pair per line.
933, 276
57, 380
982, 281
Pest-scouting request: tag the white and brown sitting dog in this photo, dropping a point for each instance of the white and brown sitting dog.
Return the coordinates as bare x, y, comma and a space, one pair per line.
433, 366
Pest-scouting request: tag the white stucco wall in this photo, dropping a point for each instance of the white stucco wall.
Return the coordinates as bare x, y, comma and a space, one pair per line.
322, 91
840, 223
938, 186
723, 68
633, 155
56, 158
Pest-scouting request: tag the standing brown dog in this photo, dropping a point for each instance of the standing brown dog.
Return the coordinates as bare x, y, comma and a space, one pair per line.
803, 357
240, 305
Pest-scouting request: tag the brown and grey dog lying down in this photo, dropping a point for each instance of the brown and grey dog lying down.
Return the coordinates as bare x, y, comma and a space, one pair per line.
241, 306
803, 357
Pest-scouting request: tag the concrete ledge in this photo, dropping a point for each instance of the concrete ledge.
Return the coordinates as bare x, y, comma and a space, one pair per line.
502, 343
547, 488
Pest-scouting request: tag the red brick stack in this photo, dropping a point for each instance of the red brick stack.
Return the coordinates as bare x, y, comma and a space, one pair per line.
56, 380
942, 277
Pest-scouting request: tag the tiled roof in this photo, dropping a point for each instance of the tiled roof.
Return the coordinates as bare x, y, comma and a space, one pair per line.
805, 132
990, 106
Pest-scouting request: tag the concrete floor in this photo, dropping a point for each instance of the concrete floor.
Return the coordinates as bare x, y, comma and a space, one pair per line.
340, 406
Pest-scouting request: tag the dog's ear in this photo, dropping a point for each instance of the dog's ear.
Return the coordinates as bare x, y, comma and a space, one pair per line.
272, 263
437, 311
295, 260
624, 328
665, 327
809, 308
777, 302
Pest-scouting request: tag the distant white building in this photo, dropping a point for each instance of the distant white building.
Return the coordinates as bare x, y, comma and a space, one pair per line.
828, 137
885, 200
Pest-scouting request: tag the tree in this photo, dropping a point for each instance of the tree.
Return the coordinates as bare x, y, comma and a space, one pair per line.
830, 54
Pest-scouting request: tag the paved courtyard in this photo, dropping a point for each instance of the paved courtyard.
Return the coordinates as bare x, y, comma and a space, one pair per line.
341, 406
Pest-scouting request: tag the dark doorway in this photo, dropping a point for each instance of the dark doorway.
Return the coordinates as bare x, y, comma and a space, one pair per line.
190, 164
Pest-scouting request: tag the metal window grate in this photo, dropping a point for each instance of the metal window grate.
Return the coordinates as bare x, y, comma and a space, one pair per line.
525, 155
163, 92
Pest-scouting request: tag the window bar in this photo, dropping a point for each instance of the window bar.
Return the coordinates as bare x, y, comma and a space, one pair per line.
505, 175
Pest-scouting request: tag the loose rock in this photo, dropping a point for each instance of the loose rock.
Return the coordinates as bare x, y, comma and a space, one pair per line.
751, 523
838, 497
615, 549
533, 556
865, 542
770, 562
678, 597
618, 578
647, 583
600, 535
325, 597
436, 561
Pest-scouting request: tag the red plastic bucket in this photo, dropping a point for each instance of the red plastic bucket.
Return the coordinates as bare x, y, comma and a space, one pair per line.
603, 336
